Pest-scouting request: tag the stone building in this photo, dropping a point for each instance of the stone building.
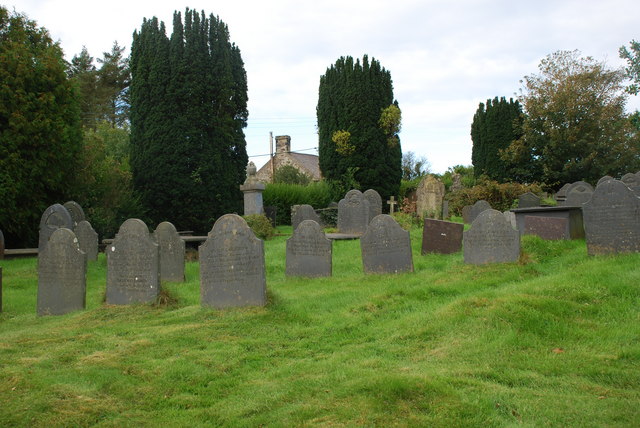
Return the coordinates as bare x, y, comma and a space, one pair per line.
305, 163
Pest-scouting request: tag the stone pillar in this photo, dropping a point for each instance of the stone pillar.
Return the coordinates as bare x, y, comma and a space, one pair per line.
252, 189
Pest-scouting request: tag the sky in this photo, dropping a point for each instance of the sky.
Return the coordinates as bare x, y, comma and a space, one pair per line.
445, 57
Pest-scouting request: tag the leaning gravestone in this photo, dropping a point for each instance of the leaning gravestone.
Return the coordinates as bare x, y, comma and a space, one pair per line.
308, 251
578, 193
62, 272
353, 213
632, 181
172, 248
442, 237
299, 213
491, 239
76, 211
1, 245
232, 271
386, 247
478, 208
430, 194
133, 265
528, 200
87, 239
612, 219
54, 217
375, 203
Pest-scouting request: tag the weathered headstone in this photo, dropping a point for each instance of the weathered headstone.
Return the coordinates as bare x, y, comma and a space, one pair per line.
62, 275
491, 239
581, 186
76, 211
578, 193
353, 213
54, 217
466, 214
1, 245
299, 213
271, 212
386, 247
442, 237
375, 203
308, 251
511, 216
478, 208
172, 248
549, 228
632, 181
456, 183
430, 194
133, 265
87, 239
612, 219
561, 194
604, 179
232, 271
252, 190
528, 199
445, 209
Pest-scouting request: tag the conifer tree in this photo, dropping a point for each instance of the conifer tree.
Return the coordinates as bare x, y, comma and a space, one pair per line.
358, 123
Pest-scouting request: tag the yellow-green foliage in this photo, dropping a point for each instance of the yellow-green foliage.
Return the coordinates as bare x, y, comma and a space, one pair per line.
501, 196
341, 138
260, 225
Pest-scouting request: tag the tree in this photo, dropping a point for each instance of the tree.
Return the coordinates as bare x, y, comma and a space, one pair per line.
40, 127
188, 99
289, 174
575, 126
414, 166
495, 126
358, 126
632, 71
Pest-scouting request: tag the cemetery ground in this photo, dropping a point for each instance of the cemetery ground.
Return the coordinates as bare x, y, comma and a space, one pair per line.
553, 340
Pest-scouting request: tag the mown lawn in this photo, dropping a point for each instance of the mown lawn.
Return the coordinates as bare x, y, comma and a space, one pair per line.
553, 340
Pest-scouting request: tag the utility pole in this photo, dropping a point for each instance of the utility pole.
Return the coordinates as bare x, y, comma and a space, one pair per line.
273, 167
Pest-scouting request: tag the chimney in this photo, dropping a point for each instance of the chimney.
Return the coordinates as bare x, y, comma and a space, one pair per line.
283, 144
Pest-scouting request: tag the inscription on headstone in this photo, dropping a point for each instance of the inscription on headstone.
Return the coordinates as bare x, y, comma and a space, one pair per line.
375, 203
87, 239
549, 228
612, 219
386, 247
133, 265
172, 249
308, 251
353, 213
442, 237
54, 217
76, 211
232, 271
491, 239
299, 213
62, 270
528, 199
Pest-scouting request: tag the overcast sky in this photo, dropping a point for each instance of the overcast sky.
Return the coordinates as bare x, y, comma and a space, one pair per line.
444, 57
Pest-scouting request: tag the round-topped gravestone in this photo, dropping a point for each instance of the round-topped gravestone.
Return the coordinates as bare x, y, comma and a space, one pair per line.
172, 249
54, 217
300, 213
308, 251
353, 213
632, 181
375, 203
578, 193
477, 208
604, 179
580, 186
386, 247
87, 239
491, 239
76, 211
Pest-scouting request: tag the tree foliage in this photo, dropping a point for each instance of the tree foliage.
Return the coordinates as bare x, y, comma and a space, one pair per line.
414, 166
632, 71
358, 125
495, 126
575, 126
40, 127
288, 174
188, 99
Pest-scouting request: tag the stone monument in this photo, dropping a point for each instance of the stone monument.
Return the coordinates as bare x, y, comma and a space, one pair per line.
353, 213
87, 240
172, 248
386, 247
54, 217
76, 211
375, 203
252, 189
430, 194
491, 239
299, 213
308, 251
442, 237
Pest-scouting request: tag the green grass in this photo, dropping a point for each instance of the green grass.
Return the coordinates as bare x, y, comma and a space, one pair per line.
551, 341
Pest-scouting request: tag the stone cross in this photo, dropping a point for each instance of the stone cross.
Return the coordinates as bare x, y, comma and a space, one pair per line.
392, 202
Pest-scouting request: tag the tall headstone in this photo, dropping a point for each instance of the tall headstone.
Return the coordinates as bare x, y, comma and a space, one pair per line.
430, 194
172, 248
87, 239
386, 247
353, 213
308, 251
54, 217
632, 181
477, 208
76, 211
578, 193
252, 190
442, 237
1, 245
375, 203
527, 200
612, 219
133, 265
299, 213
232, 271
491, 239
62, 275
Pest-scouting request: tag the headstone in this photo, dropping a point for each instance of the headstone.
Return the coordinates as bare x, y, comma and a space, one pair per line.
581, 186
299, 213
491, 239
466, 214
172, 249
1, 245
386, 247
353, 213
430, 193
612, 219
272, 214
232, 271
456, 183
445, 209
442, 237
604, 179
632, 181
511, 216
561, 194
76, 211
392, 204
478, 208
308, 251
548, 228
528, 199
375, 203
133, 265
54, 217
87, 240
252, 190
62, 275
578, 193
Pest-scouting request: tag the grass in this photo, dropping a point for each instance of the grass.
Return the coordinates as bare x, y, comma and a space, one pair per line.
551, 341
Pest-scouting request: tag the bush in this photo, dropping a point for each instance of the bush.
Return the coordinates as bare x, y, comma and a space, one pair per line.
501, 196
284, 196
288, 174
408, 221
260, 225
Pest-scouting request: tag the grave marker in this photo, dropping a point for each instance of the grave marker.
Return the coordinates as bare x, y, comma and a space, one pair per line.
442, 237
386, 247
308, 251
430, 194
87, 240
477, 208
392, 204
491, 239
466, 214
632, 181
76, 211
578, 193
375, 203
54, 217
353, 213
527, 200
172, 248
299, 213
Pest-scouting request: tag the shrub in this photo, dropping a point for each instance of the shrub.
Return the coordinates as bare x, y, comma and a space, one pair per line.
407, 221
501, 196
284, 196
289, 174
260, 225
